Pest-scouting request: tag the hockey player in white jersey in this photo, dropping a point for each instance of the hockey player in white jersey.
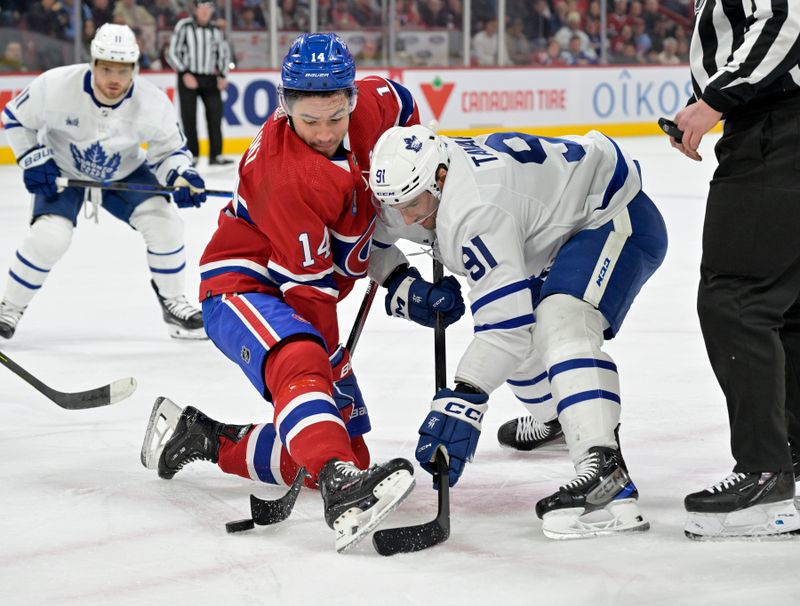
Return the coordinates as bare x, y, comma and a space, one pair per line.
555, 238
87, 122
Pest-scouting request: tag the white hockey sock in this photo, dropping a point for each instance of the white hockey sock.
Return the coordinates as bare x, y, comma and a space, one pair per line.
47, 241
531, 386
583, 379
162, 230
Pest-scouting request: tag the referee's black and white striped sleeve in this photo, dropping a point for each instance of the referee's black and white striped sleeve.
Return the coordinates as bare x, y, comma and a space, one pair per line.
744, 48
198, 50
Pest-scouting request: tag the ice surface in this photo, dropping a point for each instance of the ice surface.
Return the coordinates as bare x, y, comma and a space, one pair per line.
82, 522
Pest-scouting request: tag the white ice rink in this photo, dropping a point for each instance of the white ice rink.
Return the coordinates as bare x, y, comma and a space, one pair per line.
83, 523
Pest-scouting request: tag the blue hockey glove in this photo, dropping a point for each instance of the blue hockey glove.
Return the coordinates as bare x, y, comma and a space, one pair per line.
453, 426
412, 298
192, 188
347, 394
40, 171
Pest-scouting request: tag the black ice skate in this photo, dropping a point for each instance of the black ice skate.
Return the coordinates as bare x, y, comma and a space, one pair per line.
526, 433
175, 438
184, 320
357, 500
744, 505
796, 463
600, 500
9, 318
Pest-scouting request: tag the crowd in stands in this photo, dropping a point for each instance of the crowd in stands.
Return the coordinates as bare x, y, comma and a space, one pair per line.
39, 34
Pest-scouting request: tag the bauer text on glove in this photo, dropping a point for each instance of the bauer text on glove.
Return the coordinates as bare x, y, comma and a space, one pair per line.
347, 394
40, 171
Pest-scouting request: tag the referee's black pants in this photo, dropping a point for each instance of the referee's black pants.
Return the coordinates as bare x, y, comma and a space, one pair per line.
212, 101
749, 295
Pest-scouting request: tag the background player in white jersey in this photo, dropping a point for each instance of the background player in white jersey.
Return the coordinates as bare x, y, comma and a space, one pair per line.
555, 238
87, 122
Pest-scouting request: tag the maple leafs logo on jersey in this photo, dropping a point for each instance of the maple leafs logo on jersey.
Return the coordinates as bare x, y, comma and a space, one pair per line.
94, 162
413, 143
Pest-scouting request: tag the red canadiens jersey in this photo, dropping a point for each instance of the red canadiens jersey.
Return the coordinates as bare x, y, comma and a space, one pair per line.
300, 224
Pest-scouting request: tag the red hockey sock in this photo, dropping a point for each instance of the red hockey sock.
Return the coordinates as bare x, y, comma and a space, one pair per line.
306, 418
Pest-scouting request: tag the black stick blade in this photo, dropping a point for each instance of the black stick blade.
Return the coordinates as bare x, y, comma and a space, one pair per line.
407, 539
266, 512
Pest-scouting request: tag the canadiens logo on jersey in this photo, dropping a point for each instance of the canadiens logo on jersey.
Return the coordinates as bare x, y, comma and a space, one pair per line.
351, 253
94, 162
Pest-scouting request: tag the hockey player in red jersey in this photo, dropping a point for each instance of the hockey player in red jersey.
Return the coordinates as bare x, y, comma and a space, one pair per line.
287, 249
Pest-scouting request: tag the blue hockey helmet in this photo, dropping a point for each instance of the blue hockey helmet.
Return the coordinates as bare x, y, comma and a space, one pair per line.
318, 62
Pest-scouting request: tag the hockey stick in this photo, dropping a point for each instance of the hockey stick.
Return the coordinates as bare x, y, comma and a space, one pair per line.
265, 512
147, 188
406, 539
91, 398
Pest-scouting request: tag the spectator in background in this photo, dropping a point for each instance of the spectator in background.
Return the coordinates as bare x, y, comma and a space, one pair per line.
572, 29
553, 54
44, 18
101, 12
484, 45
542, 24
370, 54
128, 12
641, 38
578, 56
12, 58
483, 11
652, 14
625, 37
165, 13
669, 53
249, 17
434, 13
341, 17
293, 16
366, 13
406, 14
518, 46
617, 19
11, 12
628, 55
67, 12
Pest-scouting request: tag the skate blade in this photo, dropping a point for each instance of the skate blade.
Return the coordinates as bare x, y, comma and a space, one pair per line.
558, 444
355, 524
176, 332
163, 420
617, 517
761, 522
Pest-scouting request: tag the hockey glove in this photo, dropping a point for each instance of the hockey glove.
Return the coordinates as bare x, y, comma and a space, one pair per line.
415, 299
191, 187
41, 171
453, 426
347, 394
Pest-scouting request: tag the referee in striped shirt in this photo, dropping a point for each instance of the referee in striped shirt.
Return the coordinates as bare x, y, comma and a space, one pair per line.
745, 63
200, 55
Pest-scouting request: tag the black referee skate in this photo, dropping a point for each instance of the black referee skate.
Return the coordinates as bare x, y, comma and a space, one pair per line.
9, 318
183, 319
600, 500
744, 505
796, 463
193, 437
526, 433
357, 500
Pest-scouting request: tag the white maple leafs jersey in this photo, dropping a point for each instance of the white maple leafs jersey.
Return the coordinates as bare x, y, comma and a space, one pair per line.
510, 201
90, 140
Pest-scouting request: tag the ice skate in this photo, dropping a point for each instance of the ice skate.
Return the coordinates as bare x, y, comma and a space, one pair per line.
175, 437
754, 505
10, 315
526, 433
356, 500
601, 500
183, 319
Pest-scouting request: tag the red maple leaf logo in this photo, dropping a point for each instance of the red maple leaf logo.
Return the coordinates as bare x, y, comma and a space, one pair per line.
437, 94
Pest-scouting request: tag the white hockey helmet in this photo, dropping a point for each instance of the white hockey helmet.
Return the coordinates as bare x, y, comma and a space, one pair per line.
115, 43
404, 164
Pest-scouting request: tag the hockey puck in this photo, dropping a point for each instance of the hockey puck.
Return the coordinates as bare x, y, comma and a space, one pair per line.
239, 525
